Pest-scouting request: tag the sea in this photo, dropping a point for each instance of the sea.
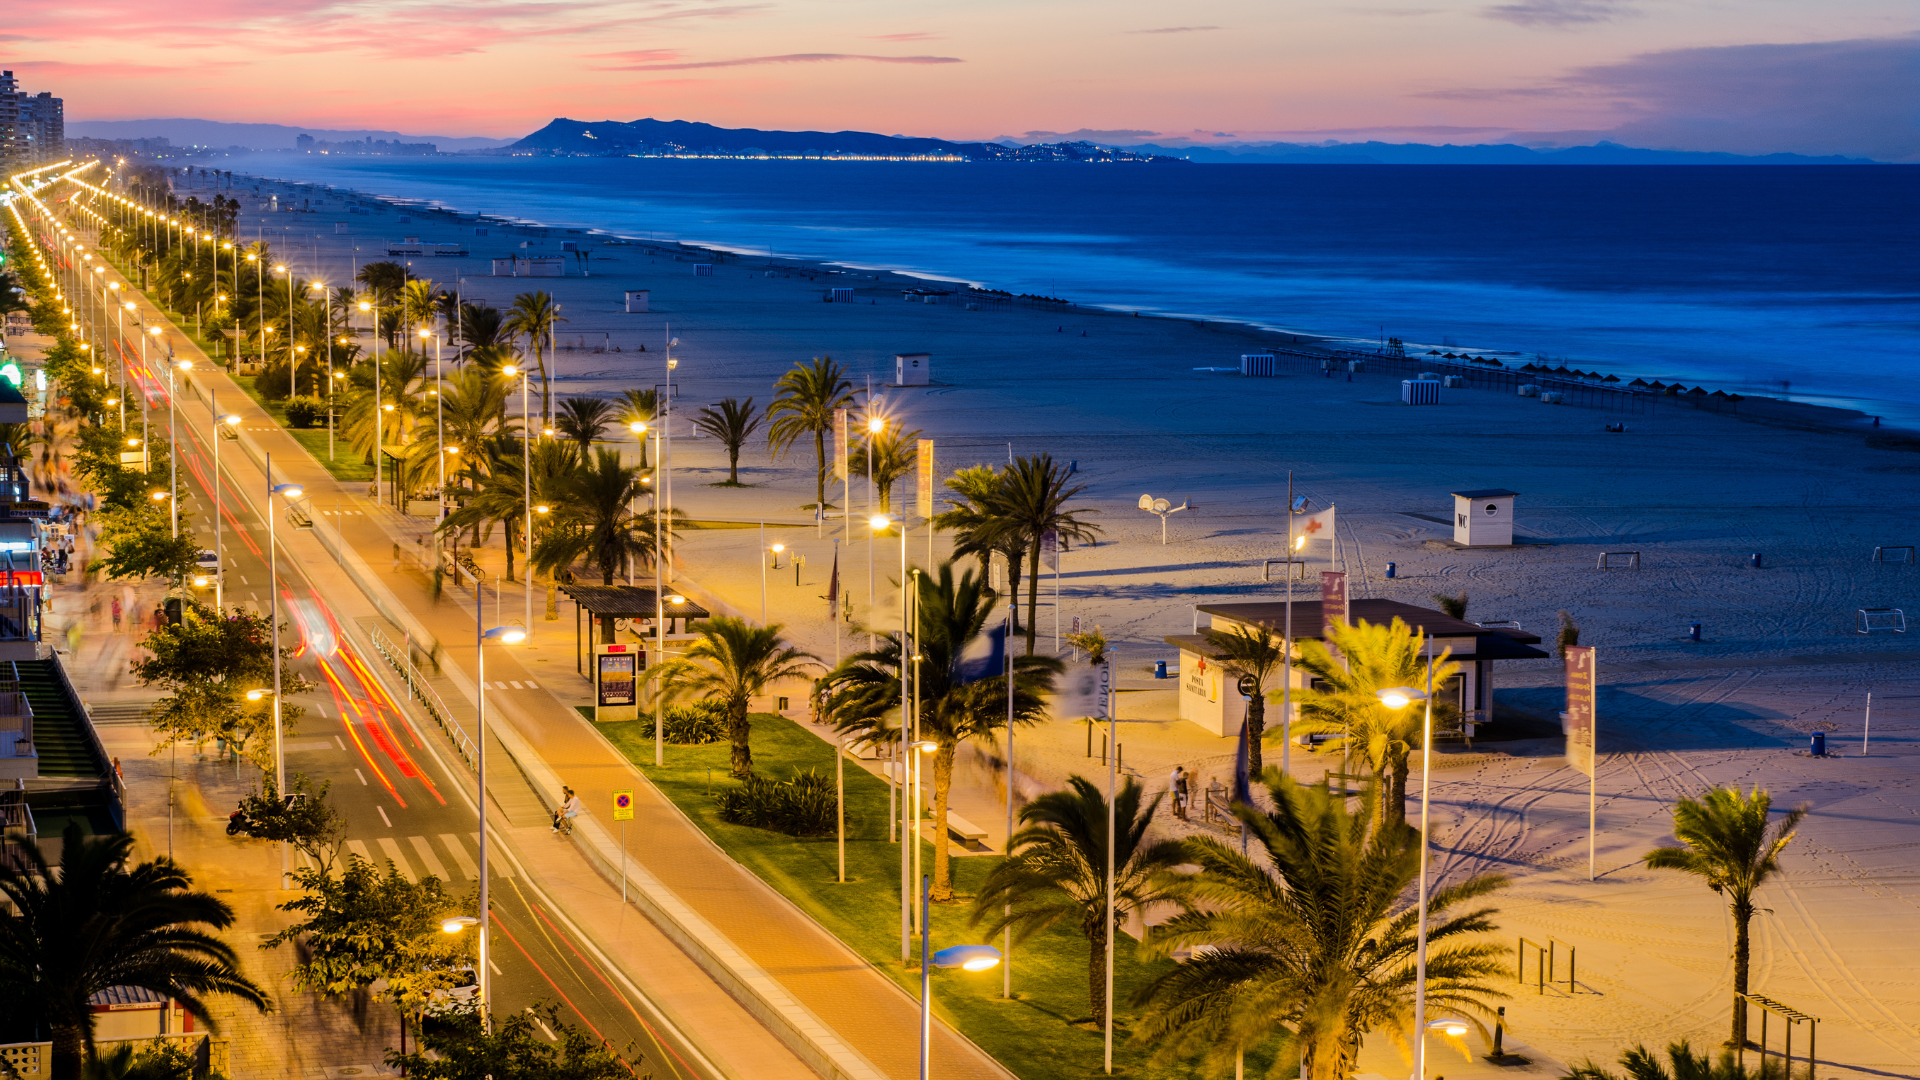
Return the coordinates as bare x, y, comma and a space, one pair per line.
1799, 282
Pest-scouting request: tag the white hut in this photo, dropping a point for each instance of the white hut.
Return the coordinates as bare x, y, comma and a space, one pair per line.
912, 369
1483, 518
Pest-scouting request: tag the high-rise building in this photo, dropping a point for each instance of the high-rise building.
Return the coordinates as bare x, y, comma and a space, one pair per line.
43, 119
12, 147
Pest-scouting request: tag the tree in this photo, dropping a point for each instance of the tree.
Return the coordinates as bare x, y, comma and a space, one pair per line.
1454, 606
366, 930
734, 661
304, 819
161, 1060
596, 522
641, 407
886, 456
463, 1048
94, 922
732, 423
1057, 872
419, 304
1250, 651
1640, 1063
957, 702
1312, 940
207, 663
971, 521
140, 544
1726, 840
583, 419
502, 497
534, 316
1031, 502
808, 395
1374, 658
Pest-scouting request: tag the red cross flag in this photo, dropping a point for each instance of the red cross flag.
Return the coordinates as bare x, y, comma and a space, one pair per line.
1312, 527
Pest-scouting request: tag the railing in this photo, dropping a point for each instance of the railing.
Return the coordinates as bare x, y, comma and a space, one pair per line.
110, 776
1477, 376
401, 660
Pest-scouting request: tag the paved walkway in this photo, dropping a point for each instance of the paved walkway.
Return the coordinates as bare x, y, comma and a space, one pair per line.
859, 1003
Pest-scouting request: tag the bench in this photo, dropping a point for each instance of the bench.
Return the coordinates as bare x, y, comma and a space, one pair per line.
964, 830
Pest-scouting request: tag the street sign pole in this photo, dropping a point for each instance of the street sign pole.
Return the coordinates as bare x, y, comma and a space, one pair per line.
623, 813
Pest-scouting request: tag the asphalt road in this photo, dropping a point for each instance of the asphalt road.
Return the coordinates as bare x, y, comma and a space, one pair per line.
406, 798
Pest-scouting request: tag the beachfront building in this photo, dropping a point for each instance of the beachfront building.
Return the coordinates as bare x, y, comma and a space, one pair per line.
1210, 697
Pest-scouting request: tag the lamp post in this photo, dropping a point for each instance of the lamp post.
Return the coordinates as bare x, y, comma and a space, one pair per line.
908, 836
875, 425
379, 406
439, 431
526, 476
219, 550
964, 957
289, 492
1396, 698
508, 635
663, 491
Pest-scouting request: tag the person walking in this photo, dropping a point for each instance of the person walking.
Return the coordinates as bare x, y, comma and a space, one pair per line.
1177, 784
118, 613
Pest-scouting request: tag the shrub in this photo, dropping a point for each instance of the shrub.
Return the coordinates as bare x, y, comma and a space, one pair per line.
1569, 636
802, 806
694, 724
304, 412
275, 381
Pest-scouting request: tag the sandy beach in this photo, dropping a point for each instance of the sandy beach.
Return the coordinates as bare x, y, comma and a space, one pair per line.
1695, 493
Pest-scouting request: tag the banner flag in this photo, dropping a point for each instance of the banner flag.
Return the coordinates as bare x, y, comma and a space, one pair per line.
1050, 550
1313, 526
1333, 597
833, 585
839, 444
1582, 722
923, 479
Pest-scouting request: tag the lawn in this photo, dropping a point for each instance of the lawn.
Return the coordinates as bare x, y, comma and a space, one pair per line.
346, 465
1045, 1033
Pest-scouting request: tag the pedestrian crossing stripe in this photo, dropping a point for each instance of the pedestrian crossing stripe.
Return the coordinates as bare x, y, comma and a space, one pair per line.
424, 859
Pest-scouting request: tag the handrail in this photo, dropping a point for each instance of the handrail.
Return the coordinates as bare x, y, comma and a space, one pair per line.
424, 693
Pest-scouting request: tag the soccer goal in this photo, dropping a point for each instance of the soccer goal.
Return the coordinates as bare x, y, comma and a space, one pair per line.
1893, 554
1870, 619
1619, 560
1297, 573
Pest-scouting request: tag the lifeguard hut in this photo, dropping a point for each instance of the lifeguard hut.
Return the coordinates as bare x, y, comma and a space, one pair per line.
912, 369
1483, 518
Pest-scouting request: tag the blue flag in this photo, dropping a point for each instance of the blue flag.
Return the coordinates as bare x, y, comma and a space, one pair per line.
985, 657
1242, 788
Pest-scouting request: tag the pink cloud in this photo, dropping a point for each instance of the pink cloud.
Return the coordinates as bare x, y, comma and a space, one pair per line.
790, 58
913, 36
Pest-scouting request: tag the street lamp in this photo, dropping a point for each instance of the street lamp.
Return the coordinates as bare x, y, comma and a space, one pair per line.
366, 307
232, 420
1397, 698
880, 523
526, 476
173, 439
506, 635
965, 957
289, 492
875, 425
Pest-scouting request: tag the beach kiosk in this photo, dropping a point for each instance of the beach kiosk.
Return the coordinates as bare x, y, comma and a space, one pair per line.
637, 300
912, 369
1483, 518
1209, 687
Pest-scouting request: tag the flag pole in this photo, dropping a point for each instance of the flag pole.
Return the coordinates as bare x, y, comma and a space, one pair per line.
1286, 686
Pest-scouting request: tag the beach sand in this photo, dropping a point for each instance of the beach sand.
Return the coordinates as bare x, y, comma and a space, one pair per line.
1695, 493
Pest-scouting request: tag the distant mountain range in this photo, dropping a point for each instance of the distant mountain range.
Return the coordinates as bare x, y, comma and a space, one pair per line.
649, 137
221, 135
1379, 153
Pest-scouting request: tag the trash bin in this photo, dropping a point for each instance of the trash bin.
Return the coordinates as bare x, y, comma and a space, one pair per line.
1753, 560
1392, 568
1159, 669
1819, 744
1693, 631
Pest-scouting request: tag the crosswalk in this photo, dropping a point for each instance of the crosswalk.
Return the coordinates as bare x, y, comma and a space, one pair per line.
511, 685
424, 856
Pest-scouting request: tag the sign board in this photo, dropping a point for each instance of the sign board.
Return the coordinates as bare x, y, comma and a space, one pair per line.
923, 474
839, 444
623, 805
616, 682
1582, 723
1102, 689
1248, 686
1050, 550
1333, 596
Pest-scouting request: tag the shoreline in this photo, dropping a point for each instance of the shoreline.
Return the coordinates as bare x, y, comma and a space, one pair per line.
1759, 408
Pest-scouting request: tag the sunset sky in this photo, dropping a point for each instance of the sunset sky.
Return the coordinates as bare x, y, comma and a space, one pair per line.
1814, 76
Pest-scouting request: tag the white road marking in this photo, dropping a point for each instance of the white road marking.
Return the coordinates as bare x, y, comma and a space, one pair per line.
361, 775
383, 816
343, 745
499, 865
359, 847
392, 849
427, 857
460, 856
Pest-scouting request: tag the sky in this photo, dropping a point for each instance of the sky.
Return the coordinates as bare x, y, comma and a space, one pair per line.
1746, 76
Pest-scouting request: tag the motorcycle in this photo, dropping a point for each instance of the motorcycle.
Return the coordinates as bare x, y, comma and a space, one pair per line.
238, 824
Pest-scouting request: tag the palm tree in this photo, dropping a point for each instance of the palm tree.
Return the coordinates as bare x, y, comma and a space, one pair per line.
1031, 502
956, 704
641, 407
1057, 871
734, 661
1374, 658
419, 303
808, 395
1728, 842
480, 326
583, 419
1640, 1063
1253, 652
402, 379
886, 456
970, 522
1313, 939
534, 316
732, 423
95, 922
595, 520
